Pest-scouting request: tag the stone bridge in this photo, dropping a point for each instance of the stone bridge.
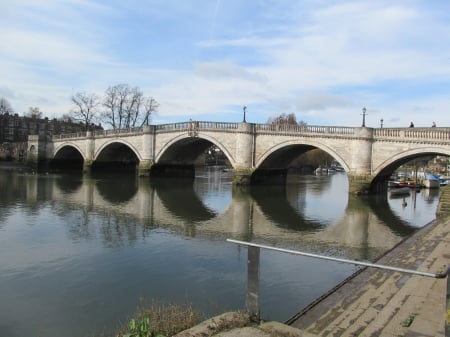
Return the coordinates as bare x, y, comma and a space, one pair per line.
257, 152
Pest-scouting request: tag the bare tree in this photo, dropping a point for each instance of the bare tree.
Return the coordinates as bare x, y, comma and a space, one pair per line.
114, 101
33, 112
283, 119
5, 106
85, 109
150, 106
127, 107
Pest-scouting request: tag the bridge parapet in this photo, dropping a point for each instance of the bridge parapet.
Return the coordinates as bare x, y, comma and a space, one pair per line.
431, 134
313, 129
69, 135
196, 124
112, 132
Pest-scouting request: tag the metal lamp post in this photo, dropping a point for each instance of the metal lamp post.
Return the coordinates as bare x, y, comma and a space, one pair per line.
364, 117
381, 122
245, 109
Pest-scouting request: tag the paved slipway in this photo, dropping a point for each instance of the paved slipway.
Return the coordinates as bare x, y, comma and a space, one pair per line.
374, 302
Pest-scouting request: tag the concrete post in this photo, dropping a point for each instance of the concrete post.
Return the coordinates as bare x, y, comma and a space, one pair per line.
447, 315
244, 154
147, 160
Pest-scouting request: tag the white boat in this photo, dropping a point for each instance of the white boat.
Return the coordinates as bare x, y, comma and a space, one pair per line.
444, 180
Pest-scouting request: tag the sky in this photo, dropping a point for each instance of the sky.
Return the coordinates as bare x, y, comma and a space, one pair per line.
321, 60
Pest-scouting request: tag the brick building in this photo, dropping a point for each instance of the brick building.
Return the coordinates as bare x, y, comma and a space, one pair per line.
15, 128
14, 131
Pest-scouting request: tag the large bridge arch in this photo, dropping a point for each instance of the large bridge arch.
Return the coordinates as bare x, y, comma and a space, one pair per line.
385, 169
182, 141
311, 144
408, 155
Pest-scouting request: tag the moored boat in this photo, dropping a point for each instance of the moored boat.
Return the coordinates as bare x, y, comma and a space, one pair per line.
392, 183
431, 181
401, 191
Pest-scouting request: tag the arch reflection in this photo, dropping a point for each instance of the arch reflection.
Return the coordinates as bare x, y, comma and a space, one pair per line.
304, 214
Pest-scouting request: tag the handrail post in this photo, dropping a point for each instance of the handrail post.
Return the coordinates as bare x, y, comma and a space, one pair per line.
447, 316
252, 299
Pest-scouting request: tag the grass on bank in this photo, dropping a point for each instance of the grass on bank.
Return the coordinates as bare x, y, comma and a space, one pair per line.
160, 320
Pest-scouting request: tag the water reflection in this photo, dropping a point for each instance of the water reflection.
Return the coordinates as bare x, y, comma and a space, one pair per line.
306, 212
180, 198
86, 248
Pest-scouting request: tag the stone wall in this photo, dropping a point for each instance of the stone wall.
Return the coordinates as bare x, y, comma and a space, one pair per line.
13, 151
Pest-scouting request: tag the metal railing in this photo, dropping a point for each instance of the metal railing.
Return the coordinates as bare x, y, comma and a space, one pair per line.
252, 300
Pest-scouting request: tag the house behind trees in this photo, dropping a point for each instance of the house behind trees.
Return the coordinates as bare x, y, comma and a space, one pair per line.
15, 128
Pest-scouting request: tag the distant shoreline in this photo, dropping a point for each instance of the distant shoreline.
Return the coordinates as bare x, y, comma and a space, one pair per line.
12, 165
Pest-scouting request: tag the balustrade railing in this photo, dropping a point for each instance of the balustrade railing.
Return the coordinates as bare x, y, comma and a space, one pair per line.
196, 125
118, 131
440, 134
337, 130
69, 135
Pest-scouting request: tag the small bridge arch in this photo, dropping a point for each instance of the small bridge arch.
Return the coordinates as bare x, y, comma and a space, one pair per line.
68, 155
62, 148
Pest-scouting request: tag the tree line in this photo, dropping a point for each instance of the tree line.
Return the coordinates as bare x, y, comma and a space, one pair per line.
121, 106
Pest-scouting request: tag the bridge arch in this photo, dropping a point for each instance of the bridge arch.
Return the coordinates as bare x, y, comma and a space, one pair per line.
384, 170
60, 149
184, 140
405, 156
309, 144
101, 148
67, 156
116, 155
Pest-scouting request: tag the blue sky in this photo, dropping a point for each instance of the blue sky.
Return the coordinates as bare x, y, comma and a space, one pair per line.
206, 59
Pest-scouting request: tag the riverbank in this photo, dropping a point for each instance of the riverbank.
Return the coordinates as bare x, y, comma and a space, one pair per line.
385, 303
13, 165
376, 302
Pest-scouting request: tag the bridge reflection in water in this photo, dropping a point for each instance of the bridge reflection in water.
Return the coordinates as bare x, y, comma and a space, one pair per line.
164, 237
296, 214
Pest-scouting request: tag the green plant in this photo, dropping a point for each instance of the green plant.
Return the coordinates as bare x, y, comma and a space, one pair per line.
159, 319
140, 329
408, 321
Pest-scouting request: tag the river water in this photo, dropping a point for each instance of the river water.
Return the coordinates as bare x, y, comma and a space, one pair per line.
77, 253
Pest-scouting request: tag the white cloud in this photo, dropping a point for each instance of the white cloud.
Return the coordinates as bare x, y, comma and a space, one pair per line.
321, 60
